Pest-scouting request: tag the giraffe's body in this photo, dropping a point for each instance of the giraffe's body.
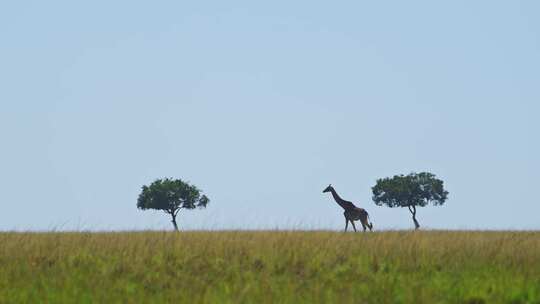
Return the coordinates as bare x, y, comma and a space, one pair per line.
351, 213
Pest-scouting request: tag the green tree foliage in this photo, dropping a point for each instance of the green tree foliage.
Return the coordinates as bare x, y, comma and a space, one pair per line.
411, 191
171, 196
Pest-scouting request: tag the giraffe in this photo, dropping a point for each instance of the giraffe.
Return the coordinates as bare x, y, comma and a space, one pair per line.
352, 213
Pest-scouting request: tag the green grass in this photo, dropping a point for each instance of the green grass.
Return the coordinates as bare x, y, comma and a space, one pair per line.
270, 267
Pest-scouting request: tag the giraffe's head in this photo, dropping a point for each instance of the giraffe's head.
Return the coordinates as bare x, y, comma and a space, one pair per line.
328, 189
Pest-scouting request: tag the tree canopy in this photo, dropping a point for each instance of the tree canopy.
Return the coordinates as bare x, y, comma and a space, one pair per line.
411, 191
170, 196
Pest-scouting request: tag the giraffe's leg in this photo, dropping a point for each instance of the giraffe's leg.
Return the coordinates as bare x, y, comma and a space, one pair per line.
346, 224
363, 226
354, 226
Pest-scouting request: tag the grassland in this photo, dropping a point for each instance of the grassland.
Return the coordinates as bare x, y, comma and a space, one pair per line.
270, 267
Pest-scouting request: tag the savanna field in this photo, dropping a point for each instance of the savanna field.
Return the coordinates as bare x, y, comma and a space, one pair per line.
270, 267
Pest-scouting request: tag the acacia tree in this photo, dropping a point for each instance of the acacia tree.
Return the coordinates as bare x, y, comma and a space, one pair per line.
171, 196
411, 191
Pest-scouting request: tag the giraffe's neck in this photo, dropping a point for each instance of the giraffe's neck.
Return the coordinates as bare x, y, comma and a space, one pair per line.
338, 199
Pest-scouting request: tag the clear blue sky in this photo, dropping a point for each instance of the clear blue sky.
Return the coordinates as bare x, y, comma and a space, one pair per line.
263, 105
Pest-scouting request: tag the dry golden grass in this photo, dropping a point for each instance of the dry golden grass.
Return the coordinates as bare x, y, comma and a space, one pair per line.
270, 267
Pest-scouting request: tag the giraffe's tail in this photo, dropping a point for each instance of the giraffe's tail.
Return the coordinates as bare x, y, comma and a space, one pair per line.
370, 224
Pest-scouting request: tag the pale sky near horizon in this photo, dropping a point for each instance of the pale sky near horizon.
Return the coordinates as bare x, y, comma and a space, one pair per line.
262, 105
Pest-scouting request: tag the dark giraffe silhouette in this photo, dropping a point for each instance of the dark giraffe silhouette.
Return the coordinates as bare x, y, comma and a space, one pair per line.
352, 213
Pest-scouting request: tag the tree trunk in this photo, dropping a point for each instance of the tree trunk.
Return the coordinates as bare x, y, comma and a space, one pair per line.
413, 212
174, 222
